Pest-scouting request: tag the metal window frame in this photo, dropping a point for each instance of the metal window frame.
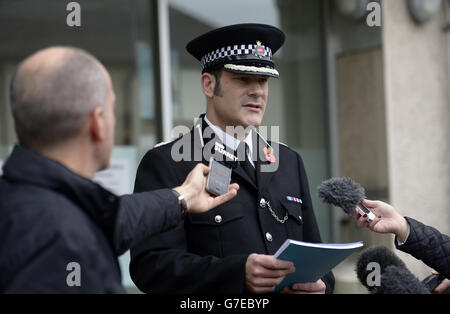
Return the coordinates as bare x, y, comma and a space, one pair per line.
163, 108
333, 113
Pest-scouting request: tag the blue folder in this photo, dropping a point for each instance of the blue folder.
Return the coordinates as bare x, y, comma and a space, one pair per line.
312, 260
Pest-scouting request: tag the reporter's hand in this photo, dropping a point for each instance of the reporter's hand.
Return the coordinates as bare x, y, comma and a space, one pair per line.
198, 200
387, 220
318, 287
264, 272
443, 288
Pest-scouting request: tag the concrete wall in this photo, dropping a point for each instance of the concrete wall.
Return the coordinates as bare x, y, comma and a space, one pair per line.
416, 67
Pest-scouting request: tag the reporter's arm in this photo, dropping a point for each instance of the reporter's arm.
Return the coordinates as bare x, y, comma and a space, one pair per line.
144, 214
162, 264
429, 245
413, 237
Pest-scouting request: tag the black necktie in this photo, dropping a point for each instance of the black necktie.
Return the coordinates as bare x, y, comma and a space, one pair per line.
245, 164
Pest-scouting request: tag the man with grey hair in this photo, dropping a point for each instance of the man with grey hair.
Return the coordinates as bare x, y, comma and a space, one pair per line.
68, 87
60, 232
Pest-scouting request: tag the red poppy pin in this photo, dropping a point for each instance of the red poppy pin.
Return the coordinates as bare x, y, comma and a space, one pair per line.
268, 152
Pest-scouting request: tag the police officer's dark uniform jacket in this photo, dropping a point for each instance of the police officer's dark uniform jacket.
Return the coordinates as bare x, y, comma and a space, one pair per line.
52, 217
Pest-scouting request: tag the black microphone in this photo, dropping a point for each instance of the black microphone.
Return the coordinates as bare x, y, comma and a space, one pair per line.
394, 277
346, 194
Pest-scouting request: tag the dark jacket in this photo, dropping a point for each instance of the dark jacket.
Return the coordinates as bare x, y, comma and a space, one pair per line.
429, 245
51, 217
209, 252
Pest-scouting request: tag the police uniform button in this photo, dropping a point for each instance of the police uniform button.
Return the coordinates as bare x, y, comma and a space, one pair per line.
218, 219
269, 237
111, 198
262, 203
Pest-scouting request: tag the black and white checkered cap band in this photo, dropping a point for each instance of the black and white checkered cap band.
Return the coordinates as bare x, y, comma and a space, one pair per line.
236, 50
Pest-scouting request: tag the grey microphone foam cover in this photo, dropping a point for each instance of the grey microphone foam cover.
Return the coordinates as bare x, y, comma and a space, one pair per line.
342, 192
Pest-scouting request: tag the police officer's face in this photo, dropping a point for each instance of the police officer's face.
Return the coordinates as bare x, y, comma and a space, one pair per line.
242, 99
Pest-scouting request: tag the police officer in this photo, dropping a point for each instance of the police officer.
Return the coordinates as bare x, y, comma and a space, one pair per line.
230, 248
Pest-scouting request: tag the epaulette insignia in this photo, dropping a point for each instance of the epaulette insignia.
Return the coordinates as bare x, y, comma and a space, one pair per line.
161, 144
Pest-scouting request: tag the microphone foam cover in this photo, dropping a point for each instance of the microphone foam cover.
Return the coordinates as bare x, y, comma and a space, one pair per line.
380, 255
399, 280
342, 192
